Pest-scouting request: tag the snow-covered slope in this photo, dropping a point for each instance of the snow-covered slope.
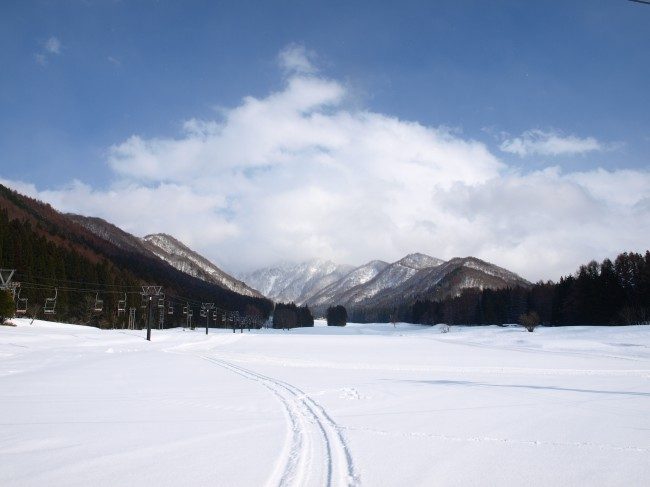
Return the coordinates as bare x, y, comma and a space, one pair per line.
186, 260
334, 292
110, 233
296, 282
362, 405
448, 279
389, 278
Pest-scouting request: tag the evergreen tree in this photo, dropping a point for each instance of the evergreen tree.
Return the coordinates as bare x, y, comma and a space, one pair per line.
337, 316
7, 307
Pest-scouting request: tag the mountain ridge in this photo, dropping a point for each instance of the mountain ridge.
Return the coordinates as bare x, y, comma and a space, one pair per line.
378, 284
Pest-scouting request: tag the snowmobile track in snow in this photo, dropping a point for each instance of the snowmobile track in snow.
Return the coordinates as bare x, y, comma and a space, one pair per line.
316, 452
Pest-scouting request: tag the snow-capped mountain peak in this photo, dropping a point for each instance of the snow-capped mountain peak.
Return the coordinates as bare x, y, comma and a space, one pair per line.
420, 261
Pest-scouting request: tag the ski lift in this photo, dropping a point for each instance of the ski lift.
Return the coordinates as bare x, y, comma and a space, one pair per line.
190, 313
21, 304
98, 307
145, 301
161, 301
203, 313
184, 310
170, 309
50, 303
121, 305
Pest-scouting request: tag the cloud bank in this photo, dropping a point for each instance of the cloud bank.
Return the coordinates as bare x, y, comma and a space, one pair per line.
299, 174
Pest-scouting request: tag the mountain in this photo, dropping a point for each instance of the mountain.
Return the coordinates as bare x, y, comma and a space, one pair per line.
295, 282
387, 277
166, 248
336, 292
186, 260
445, 280
368, 291
84, 258
390, 278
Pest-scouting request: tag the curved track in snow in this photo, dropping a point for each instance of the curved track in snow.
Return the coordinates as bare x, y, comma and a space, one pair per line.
316, 452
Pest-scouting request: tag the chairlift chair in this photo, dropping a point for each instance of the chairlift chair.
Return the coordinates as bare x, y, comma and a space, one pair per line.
184, 310
98, 307
161, 301
50, 303
121, 305
21, 304
170, 309
145, 301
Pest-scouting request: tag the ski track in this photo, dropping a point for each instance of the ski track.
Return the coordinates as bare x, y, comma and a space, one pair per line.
313, 437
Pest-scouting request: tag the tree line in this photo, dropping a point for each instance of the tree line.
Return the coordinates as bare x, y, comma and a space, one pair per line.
288, 315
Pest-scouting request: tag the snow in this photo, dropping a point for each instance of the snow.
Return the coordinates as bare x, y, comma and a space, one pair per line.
365, 404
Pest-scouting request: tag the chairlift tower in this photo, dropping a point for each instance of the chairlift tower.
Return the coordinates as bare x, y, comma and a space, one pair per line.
5, 278
205, 311
148, 293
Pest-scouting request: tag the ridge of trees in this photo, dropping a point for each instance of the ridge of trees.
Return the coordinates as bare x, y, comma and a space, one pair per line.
288, 315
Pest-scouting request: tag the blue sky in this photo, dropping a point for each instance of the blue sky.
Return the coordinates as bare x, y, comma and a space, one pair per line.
540, 84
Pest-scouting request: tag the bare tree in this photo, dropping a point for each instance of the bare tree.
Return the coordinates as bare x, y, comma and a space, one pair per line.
529, 320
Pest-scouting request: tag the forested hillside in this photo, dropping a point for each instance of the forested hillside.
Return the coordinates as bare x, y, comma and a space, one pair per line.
51, 253
606, 293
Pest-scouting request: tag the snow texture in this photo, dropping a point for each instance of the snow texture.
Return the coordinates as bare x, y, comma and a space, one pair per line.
360, 405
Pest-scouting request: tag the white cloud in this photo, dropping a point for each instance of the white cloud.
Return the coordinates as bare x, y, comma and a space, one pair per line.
296, 59
298, 174
52, 45
549, 144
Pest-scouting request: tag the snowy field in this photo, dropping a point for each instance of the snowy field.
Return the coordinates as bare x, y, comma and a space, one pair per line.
365, 405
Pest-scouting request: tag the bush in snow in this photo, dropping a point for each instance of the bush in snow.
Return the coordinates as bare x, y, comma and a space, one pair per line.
530, 321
